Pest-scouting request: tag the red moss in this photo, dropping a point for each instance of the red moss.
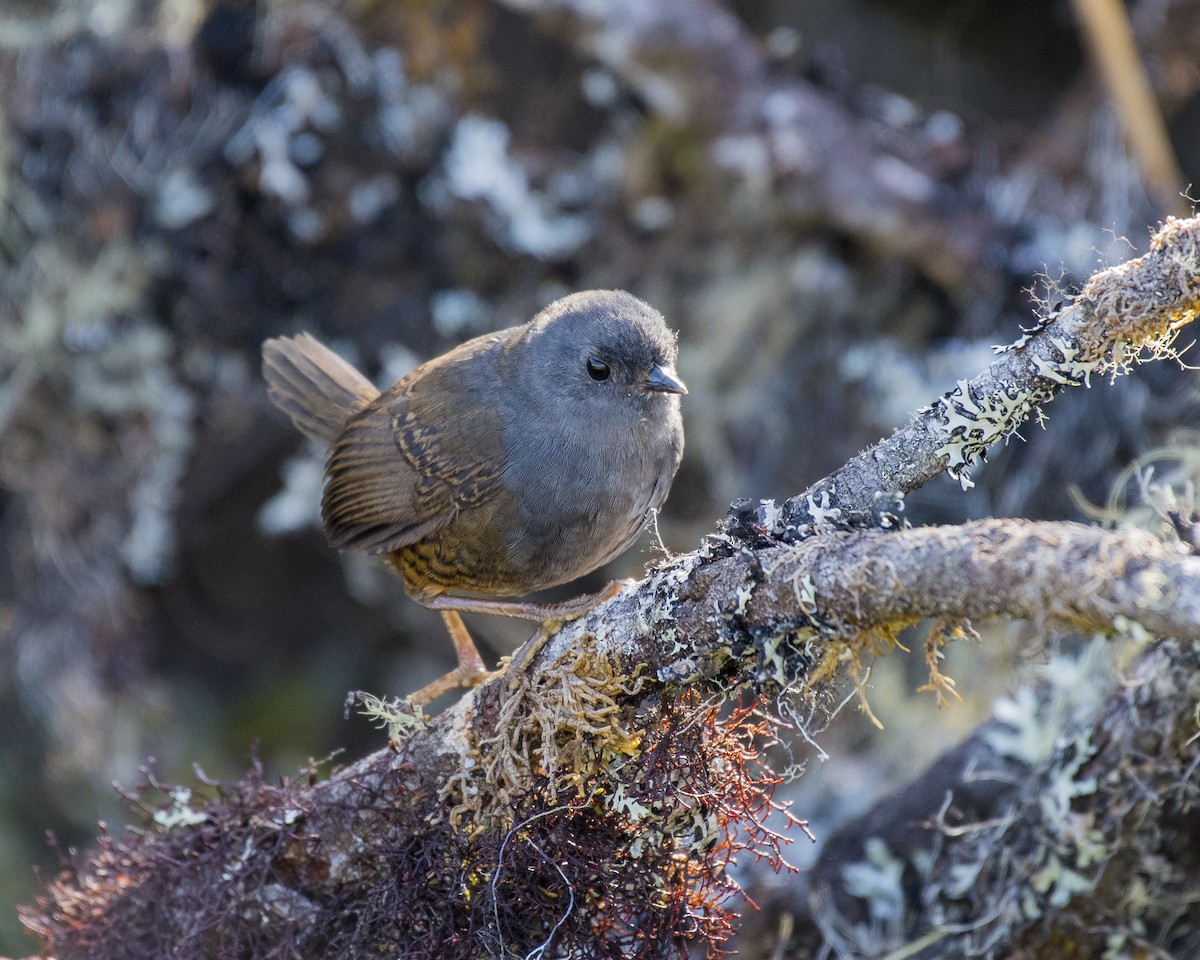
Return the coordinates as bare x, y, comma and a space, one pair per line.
584, 875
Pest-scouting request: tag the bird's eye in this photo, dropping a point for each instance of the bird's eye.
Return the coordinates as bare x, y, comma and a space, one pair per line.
597, 369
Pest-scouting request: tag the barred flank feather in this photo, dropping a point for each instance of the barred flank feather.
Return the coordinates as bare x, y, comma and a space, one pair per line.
373, 500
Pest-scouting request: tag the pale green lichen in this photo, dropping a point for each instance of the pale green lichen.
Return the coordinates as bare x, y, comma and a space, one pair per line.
1055, 799
971, 427
400, 717
565, 724
620, 800
878, 880
771, 517
664, 582
1059, 883
777, 656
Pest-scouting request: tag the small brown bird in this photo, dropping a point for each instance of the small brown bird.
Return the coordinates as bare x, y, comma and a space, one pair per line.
517, 461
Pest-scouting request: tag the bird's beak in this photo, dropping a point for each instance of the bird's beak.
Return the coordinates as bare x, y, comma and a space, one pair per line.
663, 380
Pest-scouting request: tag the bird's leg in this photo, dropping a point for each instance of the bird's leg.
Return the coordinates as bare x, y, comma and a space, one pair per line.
537, 612
550, 616
470, 670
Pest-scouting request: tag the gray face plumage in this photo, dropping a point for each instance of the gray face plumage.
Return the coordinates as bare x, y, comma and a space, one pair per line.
605, 353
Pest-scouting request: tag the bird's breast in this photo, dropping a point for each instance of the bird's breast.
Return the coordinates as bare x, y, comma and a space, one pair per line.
583, 497
568, 501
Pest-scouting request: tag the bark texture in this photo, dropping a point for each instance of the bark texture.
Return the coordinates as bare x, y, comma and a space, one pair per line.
590, 798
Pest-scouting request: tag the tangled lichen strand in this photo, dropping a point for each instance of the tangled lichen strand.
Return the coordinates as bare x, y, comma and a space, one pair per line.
637, 867
560, 724
1144, 302
600, 826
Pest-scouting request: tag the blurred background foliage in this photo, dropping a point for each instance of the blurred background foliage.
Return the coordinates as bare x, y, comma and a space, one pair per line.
840, 204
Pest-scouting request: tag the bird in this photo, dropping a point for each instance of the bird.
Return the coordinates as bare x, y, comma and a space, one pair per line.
519, 460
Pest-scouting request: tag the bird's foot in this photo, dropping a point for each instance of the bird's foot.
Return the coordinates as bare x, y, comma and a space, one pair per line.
470, 671
460, 676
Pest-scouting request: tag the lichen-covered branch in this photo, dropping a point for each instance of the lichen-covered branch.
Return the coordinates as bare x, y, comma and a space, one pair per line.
1067, 822
598, 763
1122, 311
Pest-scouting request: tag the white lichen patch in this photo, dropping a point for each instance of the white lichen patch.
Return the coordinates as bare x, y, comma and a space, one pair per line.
180, 813
1023, 736
399, 717
824, 517
297, 506
696, 822
237, 865
283, 903
664, 584
771, 516
1055, 799
679, 671
286, 818
961, 878
283, 122
878, 881
672, 639
624, 803
1028, 333
970, 427
741, 598
773, 665
1059, 882
1067, 692
478, 166
806, 593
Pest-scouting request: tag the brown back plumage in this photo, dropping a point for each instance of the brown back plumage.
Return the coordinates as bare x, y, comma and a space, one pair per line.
376, 500
410, 460
314, 386
397, 468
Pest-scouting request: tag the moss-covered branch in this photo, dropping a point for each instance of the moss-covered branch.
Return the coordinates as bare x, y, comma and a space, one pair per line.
588, 800
1064, 824
597, 788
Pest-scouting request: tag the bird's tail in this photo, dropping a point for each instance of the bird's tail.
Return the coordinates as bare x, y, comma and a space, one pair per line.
314, 386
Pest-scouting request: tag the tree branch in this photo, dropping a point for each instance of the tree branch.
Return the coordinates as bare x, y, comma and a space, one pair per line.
1139, 305
1000, 848
589, 799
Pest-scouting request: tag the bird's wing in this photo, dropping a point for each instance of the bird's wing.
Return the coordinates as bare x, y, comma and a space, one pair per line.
404, 466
